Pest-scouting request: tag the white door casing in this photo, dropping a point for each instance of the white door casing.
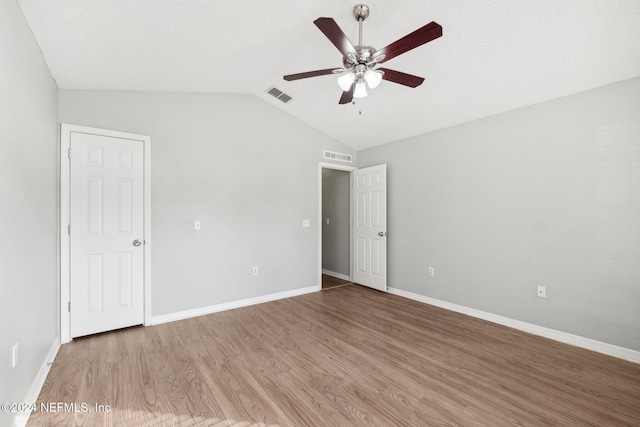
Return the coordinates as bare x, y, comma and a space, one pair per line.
105, 255
370, 227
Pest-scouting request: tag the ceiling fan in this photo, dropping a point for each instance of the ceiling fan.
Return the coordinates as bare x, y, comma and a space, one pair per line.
360, 62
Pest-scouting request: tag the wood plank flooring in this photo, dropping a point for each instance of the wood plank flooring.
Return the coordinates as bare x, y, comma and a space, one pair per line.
331, 282
348, 356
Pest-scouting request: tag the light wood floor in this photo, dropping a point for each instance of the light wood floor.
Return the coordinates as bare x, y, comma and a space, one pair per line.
347, 356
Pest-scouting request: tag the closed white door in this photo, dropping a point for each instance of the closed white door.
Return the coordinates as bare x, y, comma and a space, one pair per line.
370, 227
106, 233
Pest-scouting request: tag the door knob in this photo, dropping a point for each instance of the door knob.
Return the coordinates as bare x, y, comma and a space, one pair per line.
137, 242
382, 233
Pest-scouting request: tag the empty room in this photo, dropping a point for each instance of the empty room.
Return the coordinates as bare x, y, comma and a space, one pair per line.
400, 213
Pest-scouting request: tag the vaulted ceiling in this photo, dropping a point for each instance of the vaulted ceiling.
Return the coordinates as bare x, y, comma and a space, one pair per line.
494, 55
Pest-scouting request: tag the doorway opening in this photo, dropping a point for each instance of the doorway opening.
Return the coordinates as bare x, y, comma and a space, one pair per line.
335, 225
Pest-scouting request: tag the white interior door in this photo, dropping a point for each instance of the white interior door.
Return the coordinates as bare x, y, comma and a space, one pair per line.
106, 233
370, 227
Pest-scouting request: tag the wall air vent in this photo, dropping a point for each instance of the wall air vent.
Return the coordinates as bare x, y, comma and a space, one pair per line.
277, 93
332, 155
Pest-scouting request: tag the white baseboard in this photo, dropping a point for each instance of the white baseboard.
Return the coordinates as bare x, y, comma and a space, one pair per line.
20, 420
338, 275
165, 318
575, 340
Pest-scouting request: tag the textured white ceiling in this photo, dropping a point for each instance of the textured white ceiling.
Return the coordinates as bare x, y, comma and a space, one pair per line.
494, 56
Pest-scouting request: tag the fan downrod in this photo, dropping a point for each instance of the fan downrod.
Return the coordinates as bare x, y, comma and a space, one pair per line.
365, 53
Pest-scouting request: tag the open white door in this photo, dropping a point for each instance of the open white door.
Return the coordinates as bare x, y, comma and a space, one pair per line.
106, 233
370, 227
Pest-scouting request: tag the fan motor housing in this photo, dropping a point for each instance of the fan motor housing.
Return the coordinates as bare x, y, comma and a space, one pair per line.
365, 54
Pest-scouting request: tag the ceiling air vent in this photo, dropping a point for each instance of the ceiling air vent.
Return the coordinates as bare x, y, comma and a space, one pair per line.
332, 155
277, 93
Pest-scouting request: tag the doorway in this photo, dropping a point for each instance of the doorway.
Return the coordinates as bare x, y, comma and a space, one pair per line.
335, 225
367, 227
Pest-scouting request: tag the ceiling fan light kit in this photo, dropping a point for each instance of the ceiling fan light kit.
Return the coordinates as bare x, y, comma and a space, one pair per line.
346, 80
360, 62
360, 90
373, 78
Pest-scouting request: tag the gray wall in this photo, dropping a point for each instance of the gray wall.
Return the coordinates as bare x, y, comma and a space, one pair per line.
28, 216
544, 195
335, 206
247, 170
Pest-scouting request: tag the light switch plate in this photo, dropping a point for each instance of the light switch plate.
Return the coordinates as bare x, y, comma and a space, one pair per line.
14, 355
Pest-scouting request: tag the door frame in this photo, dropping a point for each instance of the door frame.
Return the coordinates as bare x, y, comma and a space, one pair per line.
65, 217
325, 165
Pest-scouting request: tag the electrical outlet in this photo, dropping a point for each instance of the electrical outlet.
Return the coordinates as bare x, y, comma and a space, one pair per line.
14, 355
306, 223
255, 270
542, 292
431, 271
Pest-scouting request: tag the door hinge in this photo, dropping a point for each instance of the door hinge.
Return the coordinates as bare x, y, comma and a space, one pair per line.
69, 229
69, 153
69, 307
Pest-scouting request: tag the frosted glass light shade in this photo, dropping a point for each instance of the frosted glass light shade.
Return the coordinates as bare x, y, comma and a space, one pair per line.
373, 78
361, 90
346, 80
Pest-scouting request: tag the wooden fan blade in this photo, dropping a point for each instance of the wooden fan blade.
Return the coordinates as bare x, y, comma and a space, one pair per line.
419, 37
401, 78
308, 74
347, 96
330, 29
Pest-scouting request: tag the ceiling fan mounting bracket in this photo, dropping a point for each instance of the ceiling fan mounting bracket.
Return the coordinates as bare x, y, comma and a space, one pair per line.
361, 12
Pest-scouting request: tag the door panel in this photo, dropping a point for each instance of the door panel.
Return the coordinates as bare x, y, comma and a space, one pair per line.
370, 241
125, 279
106, 212
94, 281
125, 190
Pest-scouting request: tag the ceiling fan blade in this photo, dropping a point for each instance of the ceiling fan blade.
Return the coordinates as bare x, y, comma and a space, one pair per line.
401, 78
330, 29
308, 74
419, 37
347, 96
